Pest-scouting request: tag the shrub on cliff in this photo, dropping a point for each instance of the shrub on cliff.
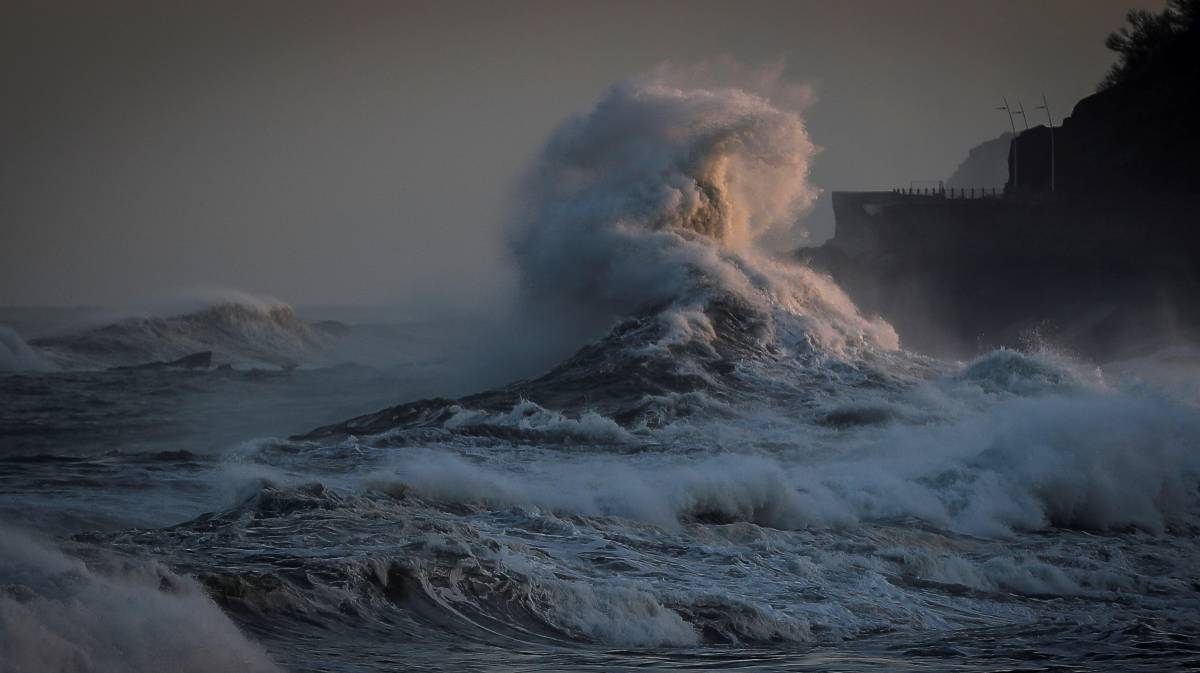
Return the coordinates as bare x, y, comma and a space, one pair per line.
1156, 46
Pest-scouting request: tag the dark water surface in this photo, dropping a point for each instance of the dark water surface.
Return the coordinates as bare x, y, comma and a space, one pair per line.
524, 539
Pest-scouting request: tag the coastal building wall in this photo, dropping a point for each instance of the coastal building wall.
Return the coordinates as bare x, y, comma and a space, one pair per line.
957, 276
1105, 228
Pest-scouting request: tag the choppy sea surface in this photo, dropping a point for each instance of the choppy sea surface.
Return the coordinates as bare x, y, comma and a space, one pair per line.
661, 506
735, 470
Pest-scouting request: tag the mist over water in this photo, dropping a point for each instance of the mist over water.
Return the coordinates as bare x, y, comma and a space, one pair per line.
732, 467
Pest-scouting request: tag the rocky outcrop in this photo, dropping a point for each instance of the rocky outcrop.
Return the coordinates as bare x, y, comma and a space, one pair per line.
1128, 139
1140, 134
986, 166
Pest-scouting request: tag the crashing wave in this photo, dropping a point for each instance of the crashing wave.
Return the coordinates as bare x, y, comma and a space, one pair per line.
645, 213
58, 613
651, 205
488, 569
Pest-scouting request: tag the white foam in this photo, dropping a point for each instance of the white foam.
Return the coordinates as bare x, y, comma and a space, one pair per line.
16, 355
612, 613
985, 462
58, 614
529, 416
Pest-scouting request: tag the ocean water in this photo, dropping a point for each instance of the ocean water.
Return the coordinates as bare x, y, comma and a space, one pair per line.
1018, 512
741, 472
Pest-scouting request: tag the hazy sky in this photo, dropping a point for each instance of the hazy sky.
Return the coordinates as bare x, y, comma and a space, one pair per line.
365, 153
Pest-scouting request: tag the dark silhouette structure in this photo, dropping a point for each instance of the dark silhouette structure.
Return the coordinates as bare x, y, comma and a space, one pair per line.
1106, 262
1139, 132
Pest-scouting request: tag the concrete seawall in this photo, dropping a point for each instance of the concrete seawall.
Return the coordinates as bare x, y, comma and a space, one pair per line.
1111, 227
1092, 273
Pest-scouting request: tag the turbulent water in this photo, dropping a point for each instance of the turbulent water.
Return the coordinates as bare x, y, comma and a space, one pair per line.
743, 473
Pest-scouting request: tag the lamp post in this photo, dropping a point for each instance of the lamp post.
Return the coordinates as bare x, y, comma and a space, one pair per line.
1016, 157
1050, 122
1022, 113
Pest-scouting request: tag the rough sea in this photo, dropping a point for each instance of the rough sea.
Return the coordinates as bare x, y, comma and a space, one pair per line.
736, 471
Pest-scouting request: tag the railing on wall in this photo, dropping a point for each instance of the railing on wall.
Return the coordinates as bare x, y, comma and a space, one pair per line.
943, 192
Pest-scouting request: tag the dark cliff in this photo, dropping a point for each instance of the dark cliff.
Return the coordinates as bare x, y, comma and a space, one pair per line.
1141, 137
1095, 248
1141, 131
985, 167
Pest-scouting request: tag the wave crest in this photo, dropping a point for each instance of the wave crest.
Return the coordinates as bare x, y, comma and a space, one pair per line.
655, 198
238, 333
59, 614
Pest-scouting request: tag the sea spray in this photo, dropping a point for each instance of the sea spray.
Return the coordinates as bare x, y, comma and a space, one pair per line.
655, 199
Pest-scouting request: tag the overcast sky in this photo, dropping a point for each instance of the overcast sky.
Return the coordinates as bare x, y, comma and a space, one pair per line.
365, 153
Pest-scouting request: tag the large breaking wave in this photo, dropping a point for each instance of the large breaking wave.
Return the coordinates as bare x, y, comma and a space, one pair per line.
645, 211
653, 202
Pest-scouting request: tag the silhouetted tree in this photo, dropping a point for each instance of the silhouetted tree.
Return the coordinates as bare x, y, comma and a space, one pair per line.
1155, 44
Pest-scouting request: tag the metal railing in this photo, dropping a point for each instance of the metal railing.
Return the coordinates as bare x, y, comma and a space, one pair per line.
956, 193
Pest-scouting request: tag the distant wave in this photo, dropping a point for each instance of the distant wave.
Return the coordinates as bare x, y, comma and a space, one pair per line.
236, 333
16, 355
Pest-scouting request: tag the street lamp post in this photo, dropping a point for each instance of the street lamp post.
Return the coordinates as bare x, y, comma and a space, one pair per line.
1050, 122
1015, 146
